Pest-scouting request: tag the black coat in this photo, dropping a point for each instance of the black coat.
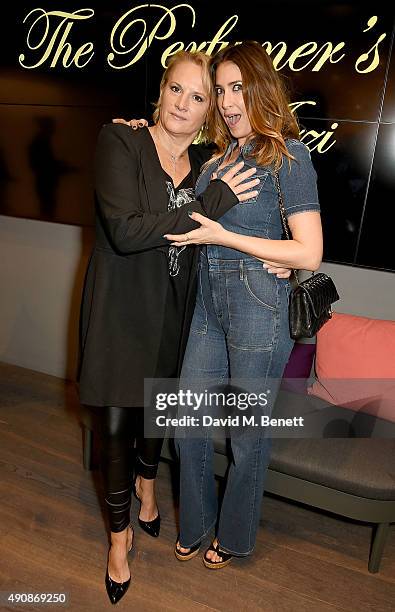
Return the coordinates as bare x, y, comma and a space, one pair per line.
125, 288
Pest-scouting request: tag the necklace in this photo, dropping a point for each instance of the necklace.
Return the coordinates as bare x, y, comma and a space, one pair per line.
174, 158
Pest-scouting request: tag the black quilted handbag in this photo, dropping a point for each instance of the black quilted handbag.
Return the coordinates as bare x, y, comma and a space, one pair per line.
311, 300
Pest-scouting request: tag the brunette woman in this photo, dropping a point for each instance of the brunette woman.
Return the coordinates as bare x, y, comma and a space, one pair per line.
239, 329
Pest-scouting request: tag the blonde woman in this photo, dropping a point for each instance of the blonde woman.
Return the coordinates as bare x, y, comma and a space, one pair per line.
139, 293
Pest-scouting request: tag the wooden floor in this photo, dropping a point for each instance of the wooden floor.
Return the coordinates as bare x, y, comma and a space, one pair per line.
53, 537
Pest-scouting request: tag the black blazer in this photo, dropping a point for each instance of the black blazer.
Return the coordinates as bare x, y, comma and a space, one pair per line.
125, 286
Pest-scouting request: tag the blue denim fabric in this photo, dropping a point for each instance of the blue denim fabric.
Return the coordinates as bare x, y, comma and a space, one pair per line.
260, 216
239, 330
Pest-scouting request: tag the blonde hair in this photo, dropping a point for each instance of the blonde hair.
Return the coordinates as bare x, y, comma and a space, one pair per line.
266, 101
202, 60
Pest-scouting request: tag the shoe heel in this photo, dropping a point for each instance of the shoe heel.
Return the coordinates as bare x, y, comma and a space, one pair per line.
150, 527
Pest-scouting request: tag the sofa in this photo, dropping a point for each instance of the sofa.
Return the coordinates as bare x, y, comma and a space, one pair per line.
344, 460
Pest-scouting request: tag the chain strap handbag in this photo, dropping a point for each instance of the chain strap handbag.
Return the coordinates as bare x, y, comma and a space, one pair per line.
310, 301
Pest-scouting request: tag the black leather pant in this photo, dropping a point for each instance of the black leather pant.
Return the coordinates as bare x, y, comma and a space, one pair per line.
120, 428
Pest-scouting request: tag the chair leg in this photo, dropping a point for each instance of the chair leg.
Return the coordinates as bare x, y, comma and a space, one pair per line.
87, 448
378, 542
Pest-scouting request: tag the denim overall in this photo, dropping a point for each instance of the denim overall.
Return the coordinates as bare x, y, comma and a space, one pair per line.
239, 330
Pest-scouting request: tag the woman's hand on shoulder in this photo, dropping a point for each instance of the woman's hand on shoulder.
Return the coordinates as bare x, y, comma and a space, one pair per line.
135, 124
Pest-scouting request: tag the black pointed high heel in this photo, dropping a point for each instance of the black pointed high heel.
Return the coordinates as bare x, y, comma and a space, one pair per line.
150, 527
116, 590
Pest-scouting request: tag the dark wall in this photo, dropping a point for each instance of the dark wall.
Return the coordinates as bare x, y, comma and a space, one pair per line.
50, 115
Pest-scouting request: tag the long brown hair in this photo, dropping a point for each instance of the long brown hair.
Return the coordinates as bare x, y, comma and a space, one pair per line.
266, 100
202, 60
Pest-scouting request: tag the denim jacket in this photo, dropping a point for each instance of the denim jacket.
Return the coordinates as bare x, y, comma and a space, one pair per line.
259, 215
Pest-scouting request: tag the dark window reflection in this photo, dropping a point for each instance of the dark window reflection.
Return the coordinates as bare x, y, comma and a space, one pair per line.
389, 98
376, 248
5, 179
343, 173
47, 168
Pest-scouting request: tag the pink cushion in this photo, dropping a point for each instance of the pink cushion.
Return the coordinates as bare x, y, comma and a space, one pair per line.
355, 364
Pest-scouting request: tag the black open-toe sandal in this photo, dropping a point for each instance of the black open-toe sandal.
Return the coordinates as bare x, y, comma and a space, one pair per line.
226, 557
186, 556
